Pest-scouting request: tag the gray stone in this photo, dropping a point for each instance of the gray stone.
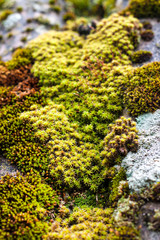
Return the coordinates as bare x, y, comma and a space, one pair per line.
11, 21
6, 167
143, 167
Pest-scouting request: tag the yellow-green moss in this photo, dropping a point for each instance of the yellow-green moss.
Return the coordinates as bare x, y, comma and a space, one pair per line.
86, 76
72, 163
121, 139
143, 89
24, 206
4, 14
152, 8
21, 57
99, 8
141, 56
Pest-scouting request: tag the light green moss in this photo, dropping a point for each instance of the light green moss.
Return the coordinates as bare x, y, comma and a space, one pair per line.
142, 93
21, 57
86, 75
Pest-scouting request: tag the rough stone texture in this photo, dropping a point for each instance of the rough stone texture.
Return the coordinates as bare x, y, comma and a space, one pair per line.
12, 21
17, 24
6, 167
154, 45
145, 219
143, 167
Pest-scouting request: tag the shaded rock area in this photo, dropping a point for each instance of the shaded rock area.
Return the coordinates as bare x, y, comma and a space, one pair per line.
154, 45
147, 221
37, 17
143, 167
7, 167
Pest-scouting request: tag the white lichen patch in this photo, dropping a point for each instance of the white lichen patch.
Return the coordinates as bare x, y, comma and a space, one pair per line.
143, 167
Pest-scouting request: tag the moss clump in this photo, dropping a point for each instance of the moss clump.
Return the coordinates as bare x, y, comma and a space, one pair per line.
19, 9
72, 163
25, 206
6, 97
91, 8
147, 25
121, 139
21, 57
143, 89
83, 223
4, 14
152, 8
141, 56
147, 35
87, 77
69, 16
17, 140
118, 187
42, 20
56, 8
52, 2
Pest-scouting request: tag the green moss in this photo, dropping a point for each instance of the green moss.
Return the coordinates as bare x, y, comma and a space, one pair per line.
118, 187
57, 8
21, 57
69, 16
9, 35
24, 206
99, 8
19, 9
52, 2
141, 56
147, 35
72, 163
81, 80
4, 14
86, 223
42, 20
121, 139
147, 25
142, 92
17, 138
152, 8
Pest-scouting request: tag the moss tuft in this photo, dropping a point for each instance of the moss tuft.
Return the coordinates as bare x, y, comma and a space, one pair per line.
147, 35
21, 57
141, 56
152, 8
143, 89
25, 206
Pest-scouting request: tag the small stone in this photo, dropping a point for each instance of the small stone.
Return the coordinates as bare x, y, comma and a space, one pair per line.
158, 45
11, 21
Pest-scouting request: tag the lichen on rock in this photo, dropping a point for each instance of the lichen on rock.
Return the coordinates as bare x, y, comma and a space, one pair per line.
143, 167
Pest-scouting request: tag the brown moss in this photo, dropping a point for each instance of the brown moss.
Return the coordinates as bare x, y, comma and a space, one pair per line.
22, 79
141, 56
147, 35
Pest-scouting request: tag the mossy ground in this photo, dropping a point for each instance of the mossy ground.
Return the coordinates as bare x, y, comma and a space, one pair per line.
61, 132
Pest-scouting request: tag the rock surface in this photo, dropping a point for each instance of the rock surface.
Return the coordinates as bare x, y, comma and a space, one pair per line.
7, 167
143, 167
146, 218
21, 27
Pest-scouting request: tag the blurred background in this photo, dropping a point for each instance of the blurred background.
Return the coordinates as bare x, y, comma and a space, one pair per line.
23, 20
